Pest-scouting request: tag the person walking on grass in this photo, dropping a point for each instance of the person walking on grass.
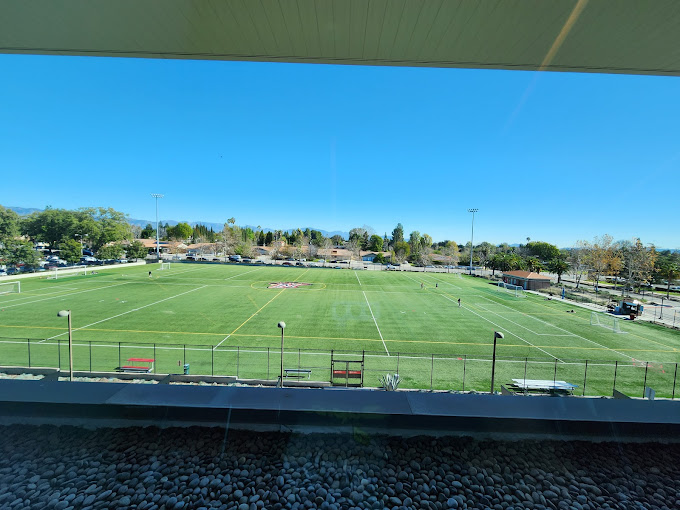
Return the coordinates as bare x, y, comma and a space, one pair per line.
422, 286
458, 302
150, 275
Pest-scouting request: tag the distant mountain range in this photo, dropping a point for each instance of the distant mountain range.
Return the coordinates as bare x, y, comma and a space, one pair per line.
24, 211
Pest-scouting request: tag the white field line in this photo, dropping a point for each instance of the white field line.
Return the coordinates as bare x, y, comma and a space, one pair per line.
63, 295
376, 324
444, 281
506, 329
518, 325
262, 351
38, 293
241, 274
357, 275
221, 341
129, 311
573, 334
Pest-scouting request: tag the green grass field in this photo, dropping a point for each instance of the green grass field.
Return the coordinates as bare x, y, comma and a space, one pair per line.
222, 319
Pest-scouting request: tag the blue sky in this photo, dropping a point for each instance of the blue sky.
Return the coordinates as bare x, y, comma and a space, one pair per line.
551, 156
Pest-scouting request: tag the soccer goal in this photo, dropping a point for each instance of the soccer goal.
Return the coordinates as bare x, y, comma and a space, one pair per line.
10, 287
62, 272
165, 265
515, 290
605, 321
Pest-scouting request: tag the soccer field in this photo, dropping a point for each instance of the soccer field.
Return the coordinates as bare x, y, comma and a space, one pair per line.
222, 320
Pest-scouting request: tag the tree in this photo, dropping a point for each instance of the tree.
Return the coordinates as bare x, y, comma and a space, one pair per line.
102, 225
9, 224
354, 248
69, 250
326, 250
577, 261
533, 264
484, 252
376, 243
599, 256
414, 244
181, 231
110, 251
671, 271
148, 232
136, 250
450, 251
269, 238
543, 251
51, 226
638, 262
401, 251
397, 234
559, 266
337, 240
17, 252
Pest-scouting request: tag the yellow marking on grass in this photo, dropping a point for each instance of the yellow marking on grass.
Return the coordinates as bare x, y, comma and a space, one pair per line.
254, 314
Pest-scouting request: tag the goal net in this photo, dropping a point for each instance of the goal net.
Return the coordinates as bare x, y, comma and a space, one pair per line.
605, 321
165, 265
515, 290
62, 272
10, 287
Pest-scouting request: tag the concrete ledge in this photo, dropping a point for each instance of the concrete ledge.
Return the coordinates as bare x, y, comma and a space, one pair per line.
330, 409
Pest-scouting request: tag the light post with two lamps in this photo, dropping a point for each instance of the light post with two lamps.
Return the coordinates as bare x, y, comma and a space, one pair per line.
281, 325
472, 237
158, 251
496, 336
81, 242
67, 313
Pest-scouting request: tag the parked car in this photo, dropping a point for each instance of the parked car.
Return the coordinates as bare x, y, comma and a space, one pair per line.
247, 261
234, 258
286, 263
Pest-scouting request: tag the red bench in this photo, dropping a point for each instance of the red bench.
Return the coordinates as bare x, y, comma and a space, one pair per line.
145, 369
353, 374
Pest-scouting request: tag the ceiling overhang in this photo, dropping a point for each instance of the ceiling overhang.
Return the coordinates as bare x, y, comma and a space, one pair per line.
604, 36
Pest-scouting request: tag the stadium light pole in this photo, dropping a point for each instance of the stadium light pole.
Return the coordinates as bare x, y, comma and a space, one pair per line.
472, 237
158, 251
81, 242
67, 313
496, 336
281, 325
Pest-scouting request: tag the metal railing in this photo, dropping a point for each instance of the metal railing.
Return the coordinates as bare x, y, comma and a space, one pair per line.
417, 370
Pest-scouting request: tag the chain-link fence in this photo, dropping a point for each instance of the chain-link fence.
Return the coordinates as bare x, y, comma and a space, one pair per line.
417, 370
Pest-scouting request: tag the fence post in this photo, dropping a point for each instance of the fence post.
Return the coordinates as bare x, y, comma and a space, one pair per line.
154, 357
90, 356
675, 376
431, 372
267, 363
238, 356
397, 363
555, 374
184, 355
59, 352
644, 385
298, 359
119, 363
616, 369
464, 369
585, 375
212, 360
28, 342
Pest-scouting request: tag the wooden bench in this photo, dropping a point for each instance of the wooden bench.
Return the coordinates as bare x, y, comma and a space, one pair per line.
298, 372
353, 374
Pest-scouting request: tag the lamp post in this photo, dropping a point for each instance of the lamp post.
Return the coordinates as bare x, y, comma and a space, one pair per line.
496, 336
472, 237
281, 325
67, 313
81, 242
158, 251
661, 316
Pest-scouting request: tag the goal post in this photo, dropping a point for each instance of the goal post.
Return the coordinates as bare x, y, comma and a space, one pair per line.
165, 265
606, 321
515, 290
61, 272
10, 288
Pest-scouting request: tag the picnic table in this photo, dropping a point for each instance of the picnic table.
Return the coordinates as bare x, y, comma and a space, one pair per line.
543, 386
137, 368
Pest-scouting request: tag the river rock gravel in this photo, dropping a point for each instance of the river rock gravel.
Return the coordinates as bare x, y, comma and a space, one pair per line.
65, 468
